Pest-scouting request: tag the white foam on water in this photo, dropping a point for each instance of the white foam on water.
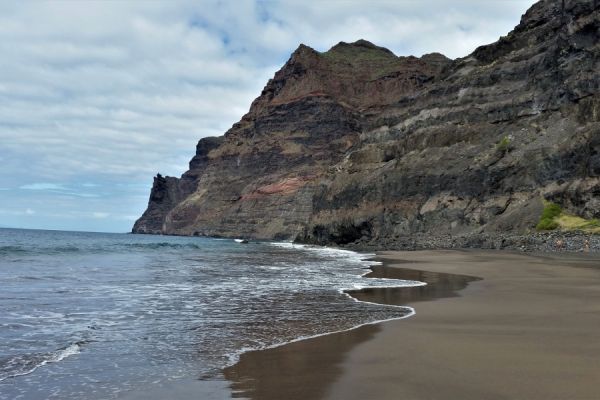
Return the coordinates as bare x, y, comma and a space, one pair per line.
234, 358
69, 351
325, 251
347, 254
166, 304
54, 357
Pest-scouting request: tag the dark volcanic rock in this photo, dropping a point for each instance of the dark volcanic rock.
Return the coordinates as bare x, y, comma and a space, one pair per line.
358, 146
163, 197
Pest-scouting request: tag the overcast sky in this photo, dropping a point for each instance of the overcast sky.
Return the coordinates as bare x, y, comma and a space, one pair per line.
97, 97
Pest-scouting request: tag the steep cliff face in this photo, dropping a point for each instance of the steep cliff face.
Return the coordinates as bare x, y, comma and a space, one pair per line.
260, 179
358, 145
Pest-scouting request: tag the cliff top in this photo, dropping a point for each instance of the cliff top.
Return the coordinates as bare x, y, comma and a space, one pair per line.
359, 74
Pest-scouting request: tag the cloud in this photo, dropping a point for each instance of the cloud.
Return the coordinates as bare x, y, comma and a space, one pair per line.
42, 186
61, 189
110, 93
18, 213
97, 214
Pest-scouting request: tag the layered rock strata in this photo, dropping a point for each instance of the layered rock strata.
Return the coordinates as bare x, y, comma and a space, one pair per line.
356, 145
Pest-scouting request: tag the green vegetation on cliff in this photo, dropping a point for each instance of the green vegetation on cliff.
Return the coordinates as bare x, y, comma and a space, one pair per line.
553, 217
548, 218
504, 145
575, 223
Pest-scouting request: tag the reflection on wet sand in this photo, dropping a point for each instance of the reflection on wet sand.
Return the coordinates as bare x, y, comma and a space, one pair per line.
439, 285
306, 369
299, 370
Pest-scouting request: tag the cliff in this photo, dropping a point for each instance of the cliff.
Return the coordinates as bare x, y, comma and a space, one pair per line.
357, 145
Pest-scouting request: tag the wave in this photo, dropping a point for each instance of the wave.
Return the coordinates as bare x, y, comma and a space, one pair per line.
333, 252
4, 250
161, 245
234, 357
367, 258
26, 364
26, 250
20, 250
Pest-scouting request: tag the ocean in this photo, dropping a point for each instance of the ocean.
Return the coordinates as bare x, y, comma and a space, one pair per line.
102, 315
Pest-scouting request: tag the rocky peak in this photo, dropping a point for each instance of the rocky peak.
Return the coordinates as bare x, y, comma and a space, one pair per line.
302, 55
562, 11
359, 48
358, 75
551, 22
437, 61
303, 50
540, 13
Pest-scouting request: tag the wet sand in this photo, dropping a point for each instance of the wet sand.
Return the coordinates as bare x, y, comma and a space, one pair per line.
500, 326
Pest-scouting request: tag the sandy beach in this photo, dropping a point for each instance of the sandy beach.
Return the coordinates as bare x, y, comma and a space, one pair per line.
490, 325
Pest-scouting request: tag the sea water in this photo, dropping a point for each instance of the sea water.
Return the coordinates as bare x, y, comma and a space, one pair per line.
99, 315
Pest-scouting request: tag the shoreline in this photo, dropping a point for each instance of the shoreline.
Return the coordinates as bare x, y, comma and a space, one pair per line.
372, 360
531, 243
435, 285
215, 387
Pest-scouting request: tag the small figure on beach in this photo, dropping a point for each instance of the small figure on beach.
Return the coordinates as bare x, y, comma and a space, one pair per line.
586, 246
559, 244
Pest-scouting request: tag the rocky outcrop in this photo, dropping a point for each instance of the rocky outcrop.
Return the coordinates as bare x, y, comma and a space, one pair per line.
356, 145
164, 196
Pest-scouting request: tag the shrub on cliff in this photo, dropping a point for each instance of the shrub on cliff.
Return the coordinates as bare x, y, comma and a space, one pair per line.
547, 220
504, 146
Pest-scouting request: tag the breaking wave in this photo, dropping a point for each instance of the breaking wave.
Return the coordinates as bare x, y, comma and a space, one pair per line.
20, 365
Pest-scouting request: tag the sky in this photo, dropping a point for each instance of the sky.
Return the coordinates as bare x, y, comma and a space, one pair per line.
98, 97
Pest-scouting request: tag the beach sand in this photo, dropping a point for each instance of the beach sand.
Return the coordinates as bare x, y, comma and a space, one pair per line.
529, 328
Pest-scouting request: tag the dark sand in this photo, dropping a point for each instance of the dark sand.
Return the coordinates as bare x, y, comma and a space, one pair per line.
529, 329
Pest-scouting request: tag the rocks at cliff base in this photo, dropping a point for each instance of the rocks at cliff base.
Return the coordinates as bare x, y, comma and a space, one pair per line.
529, 242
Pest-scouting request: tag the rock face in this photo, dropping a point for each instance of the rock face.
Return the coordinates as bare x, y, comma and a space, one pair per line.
356, 145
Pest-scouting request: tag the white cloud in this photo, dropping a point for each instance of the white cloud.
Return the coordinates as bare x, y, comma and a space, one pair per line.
42, 186
113, 92
97, 214
18, 213
60, 189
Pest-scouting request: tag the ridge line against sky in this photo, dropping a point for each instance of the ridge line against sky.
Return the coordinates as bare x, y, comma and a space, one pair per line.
97, 97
